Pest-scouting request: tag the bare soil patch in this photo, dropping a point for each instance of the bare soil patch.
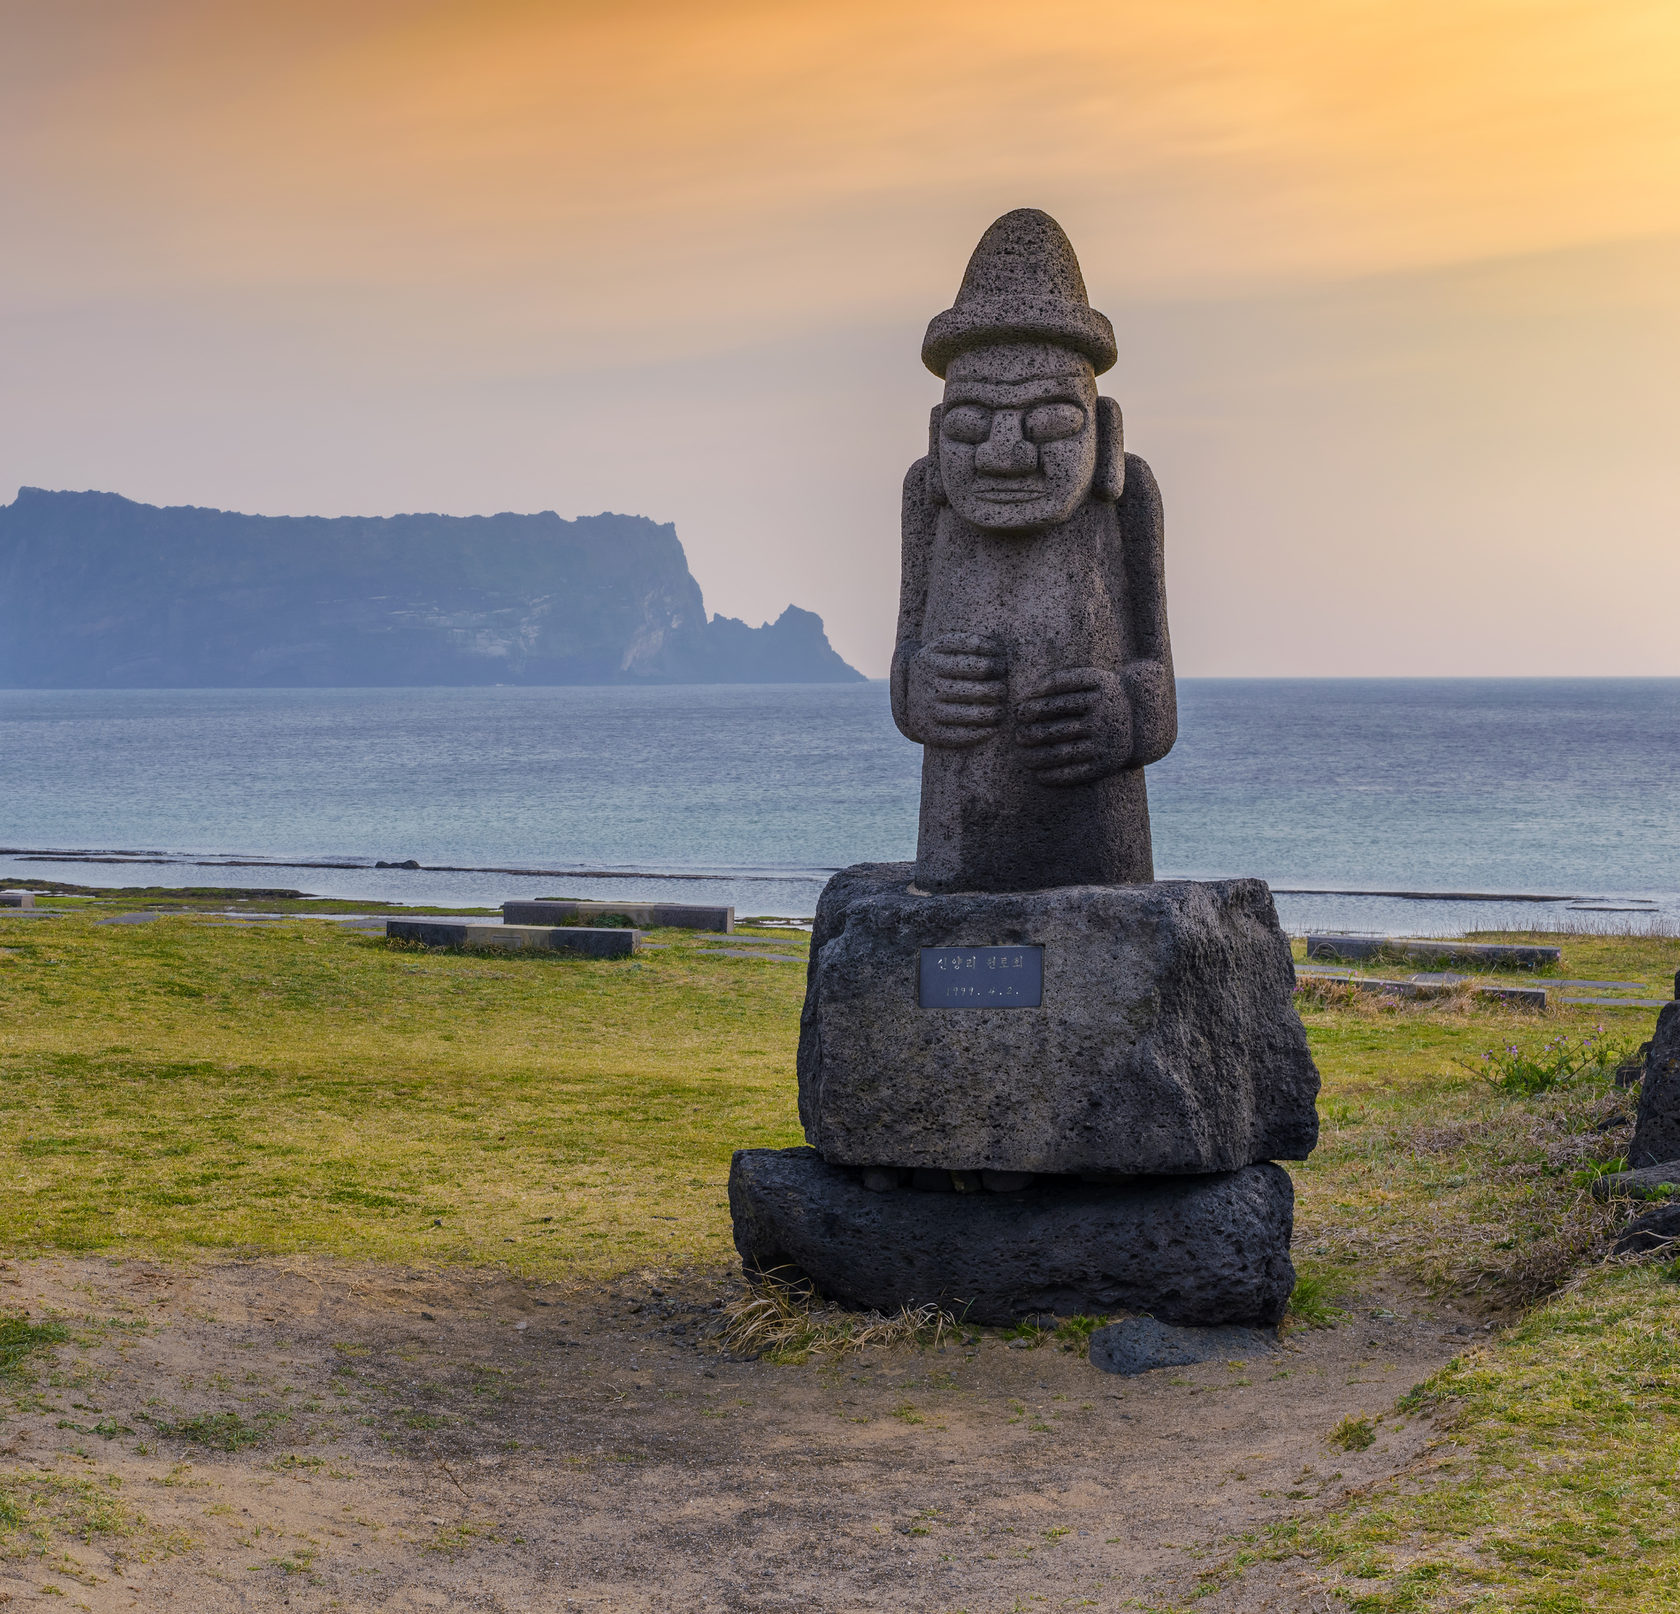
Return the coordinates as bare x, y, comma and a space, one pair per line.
311, 1435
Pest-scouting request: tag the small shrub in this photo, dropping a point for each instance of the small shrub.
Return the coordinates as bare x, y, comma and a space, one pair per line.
1353, 1433
1074, 1333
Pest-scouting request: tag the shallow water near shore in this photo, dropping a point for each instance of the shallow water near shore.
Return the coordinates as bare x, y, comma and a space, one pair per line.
1342, 793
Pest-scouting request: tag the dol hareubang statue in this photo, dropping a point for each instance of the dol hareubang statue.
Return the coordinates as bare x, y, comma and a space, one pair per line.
1033, 662
1034, 1079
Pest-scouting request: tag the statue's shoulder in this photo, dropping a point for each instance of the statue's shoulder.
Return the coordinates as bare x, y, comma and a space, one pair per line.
1137, 466
921, 503
1140, 495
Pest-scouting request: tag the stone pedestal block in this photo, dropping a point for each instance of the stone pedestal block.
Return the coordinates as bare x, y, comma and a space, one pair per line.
1201, 1250
1114, 1030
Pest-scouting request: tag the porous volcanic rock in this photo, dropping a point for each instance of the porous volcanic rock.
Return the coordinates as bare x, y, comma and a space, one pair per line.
1202, 1250
1656, 1134
1655, 1230
1166, 1040
1141, 1344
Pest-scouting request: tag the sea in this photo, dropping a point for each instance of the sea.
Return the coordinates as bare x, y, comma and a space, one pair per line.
1382, 806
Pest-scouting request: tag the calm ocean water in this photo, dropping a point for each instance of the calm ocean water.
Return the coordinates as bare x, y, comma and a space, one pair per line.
752, 794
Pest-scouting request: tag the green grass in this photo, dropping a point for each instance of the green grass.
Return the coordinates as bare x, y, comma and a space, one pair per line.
21, 1339
1556, 1484
184, 1086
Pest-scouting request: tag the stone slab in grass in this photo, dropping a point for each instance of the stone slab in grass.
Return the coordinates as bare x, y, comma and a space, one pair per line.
1490, 955
1188, 1250
613, 943
1423, 986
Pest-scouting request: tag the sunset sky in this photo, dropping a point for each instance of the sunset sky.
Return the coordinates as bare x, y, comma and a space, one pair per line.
1397, 286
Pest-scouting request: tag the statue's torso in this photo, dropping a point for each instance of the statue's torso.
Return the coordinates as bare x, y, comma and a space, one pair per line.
1052, 603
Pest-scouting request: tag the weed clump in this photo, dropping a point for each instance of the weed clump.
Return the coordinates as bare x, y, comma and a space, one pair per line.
1559, 1062
221, 1431
1311, 1302
1353, 1433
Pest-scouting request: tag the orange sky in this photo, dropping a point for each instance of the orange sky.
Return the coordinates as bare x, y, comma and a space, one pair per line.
1395, 285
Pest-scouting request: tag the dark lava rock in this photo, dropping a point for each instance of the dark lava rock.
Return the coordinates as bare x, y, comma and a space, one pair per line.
1656, 1134
1193, 1250
1139, 1344
1166, 1039
1652, 1231
1640, 1184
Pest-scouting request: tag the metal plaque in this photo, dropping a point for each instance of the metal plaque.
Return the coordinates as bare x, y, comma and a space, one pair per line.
982, 978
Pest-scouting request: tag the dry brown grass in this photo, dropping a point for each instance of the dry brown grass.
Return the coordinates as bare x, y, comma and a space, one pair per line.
782, 1323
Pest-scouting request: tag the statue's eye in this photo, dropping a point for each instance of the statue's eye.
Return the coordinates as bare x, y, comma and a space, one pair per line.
1049, 422
966, 423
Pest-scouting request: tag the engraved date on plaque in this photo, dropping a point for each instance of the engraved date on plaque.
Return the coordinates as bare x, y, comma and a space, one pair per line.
982, 977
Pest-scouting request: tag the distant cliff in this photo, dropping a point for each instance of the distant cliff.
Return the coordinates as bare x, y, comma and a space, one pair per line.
97, 592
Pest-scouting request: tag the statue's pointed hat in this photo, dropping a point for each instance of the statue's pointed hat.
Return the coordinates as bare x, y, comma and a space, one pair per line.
1022, 285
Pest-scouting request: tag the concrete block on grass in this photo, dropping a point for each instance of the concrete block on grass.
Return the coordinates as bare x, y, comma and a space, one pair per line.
652, 915
564, 939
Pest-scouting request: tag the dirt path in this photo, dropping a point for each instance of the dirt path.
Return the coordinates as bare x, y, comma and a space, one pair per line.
469, 1442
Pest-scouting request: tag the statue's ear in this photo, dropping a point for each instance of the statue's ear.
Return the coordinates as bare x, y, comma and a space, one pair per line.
935, 487
1110, 479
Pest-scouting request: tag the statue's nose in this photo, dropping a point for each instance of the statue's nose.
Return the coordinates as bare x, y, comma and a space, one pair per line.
1006, 452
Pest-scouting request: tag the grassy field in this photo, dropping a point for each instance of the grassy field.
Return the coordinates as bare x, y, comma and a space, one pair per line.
189, 1084
194, 1085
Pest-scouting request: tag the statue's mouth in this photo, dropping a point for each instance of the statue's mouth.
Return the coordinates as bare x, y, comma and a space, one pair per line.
1011, 495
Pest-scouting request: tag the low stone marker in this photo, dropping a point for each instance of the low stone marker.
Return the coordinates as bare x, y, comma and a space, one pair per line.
1487, 954
17, 899
653, 915
556, 938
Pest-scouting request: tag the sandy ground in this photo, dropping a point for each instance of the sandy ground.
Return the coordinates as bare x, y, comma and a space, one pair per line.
468, 1441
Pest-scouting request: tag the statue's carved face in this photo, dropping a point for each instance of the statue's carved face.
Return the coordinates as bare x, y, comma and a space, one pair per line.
1018, 435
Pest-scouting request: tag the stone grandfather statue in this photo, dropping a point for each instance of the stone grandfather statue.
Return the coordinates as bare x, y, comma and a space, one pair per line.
1033, 1078
1033, 661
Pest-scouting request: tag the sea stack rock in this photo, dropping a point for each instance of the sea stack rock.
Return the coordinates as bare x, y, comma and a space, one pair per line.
1033, 1078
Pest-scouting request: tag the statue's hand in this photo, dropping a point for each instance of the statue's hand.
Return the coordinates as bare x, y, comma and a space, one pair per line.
958, 687
1076, 727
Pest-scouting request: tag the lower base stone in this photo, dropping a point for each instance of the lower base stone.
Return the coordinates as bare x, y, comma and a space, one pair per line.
1190, 1250
1141, 1345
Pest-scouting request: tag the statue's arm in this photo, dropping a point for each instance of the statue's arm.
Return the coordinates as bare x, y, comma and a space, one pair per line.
1148, 671
917, 526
